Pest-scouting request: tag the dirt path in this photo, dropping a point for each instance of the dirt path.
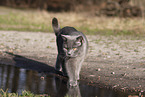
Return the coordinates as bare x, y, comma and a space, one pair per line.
117, 62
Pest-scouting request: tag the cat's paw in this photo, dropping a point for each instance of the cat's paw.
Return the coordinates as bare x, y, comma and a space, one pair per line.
73, 83
58, 69
78, 78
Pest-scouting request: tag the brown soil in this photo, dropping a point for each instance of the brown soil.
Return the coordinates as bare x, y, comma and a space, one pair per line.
116, 62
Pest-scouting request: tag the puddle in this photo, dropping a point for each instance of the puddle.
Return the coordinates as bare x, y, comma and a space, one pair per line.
16, 79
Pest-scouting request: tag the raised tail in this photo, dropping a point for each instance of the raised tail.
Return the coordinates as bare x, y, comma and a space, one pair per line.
55, 26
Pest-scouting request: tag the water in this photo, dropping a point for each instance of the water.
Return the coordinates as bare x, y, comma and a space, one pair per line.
16, 79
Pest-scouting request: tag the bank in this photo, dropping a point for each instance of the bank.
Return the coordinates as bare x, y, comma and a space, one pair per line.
116, 62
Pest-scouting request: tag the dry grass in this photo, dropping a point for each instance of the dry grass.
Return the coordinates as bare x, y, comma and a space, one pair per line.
35, 20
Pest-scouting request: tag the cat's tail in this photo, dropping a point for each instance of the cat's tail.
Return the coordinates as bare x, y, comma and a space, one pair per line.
55, 26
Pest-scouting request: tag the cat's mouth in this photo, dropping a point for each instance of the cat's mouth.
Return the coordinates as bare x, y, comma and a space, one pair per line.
71, 56
67, 56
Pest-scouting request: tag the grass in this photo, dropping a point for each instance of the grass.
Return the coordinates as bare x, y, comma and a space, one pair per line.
24, 94
36, 20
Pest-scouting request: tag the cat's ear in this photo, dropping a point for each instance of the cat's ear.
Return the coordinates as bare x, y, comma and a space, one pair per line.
55, 26
80, 39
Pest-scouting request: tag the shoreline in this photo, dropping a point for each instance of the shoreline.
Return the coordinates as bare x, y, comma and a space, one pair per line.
109, 61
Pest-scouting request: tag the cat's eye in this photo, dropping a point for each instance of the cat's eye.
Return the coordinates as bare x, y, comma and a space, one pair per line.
74, 49
78, 43
65, 49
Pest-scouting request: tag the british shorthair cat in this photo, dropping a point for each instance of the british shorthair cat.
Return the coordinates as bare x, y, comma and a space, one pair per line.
72, 47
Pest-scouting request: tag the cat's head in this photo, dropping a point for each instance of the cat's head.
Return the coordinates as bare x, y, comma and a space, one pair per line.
72, 45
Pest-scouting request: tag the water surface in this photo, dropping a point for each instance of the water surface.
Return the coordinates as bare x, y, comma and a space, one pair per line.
16, 79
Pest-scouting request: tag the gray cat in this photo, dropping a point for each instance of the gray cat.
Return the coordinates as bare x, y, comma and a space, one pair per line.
72, 47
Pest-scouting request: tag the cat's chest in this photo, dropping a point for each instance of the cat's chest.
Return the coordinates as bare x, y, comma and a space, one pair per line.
75, 60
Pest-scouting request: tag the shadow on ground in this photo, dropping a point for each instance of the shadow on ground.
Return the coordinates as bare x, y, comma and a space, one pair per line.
30, 64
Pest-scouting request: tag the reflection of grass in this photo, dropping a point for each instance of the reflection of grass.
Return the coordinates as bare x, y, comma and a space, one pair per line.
24, 94
35, 20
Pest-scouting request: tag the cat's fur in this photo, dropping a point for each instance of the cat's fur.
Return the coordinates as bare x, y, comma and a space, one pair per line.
72, 47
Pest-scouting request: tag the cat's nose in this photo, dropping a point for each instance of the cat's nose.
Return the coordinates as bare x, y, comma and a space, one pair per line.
69, 53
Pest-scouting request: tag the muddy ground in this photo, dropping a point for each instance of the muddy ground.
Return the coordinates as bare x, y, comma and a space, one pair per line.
116, 62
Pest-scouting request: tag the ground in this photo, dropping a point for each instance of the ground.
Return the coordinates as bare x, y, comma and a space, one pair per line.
116, 62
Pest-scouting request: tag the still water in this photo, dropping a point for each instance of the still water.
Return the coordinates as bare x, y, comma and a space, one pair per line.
16, 79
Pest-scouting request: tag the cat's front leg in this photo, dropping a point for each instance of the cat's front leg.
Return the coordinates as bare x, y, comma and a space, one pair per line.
64, 68
79, 69
58, 64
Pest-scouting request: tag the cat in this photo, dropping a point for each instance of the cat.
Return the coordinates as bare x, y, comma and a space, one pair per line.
72, 47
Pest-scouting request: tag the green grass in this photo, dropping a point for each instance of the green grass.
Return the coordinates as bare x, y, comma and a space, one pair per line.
13, 21
24, 94
40, 21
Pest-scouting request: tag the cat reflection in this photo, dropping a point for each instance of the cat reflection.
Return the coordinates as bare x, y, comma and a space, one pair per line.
59, 88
